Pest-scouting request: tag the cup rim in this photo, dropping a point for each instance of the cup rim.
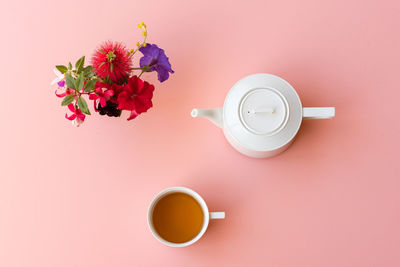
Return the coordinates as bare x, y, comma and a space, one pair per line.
190, 192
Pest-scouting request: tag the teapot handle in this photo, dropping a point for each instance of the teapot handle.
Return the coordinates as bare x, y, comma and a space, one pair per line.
318, 113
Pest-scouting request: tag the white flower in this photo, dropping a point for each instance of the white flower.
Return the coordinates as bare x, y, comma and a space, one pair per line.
59, 75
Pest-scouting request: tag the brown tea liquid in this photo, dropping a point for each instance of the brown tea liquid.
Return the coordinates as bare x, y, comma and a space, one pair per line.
178, 217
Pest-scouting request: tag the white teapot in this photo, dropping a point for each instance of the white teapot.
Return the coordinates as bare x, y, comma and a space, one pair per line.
262, 114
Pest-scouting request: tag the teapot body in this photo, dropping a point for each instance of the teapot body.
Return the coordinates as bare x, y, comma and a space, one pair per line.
254, 153
262, 114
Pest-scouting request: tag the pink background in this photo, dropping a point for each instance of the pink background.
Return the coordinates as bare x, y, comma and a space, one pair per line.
78, 196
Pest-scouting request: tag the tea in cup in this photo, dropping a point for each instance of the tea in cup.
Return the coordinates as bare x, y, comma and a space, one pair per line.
178, 216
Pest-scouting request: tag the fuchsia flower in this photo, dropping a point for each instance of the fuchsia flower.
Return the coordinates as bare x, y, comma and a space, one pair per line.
61, 91
60, 79
136, 97
77, 117
102, 94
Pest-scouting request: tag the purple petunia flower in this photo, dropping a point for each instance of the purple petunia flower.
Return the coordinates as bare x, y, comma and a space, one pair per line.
155, 58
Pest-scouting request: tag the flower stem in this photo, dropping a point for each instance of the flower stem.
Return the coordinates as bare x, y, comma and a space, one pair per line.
143, 71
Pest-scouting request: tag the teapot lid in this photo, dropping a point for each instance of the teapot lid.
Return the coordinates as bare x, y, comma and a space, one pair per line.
262, 112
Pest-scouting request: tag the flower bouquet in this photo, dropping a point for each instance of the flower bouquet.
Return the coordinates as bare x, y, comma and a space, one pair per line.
111, 82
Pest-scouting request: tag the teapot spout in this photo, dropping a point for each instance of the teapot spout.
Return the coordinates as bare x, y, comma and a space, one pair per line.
213, 114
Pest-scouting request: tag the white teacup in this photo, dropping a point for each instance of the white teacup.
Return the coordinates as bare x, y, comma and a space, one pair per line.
207, 215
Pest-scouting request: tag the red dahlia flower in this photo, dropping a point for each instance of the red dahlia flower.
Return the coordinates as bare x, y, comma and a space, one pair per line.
136, 97
112, 60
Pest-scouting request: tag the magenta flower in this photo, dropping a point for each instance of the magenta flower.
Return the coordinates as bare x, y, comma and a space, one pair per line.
77, 117
61, 83
102, 94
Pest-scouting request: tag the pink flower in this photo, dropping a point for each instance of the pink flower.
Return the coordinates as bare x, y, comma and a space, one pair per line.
62, 91
136, 97
77, 117
102, 94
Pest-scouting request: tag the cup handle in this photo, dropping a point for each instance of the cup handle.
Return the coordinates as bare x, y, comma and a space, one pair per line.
217, 215
318, 113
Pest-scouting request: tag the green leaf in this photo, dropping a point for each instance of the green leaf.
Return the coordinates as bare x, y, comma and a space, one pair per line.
70, 81
90, 75
79, 64
69, 66
80, 82
111, 67
67, 100
87, 70
83, 105
102, 63
89, 86
62, 68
